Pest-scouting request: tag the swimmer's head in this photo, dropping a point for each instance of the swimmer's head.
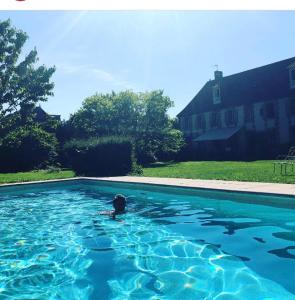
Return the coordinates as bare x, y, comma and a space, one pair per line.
119, 202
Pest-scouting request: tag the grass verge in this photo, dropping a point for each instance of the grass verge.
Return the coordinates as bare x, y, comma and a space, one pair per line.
34, 176
259, 171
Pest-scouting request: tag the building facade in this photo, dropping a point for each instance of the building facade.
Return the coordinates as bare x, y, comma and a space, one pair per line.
249, 115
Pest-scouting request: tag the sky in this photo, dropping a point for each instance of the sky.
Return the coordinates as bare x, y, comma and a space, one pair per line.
104, 51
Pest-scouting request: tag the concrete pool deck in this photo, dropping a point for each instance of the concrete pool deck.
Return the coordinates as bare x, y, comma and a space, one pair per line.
237, 186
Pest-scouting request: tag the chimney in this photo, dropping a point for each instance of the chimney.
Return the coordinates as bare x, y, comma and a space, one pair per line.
217, 75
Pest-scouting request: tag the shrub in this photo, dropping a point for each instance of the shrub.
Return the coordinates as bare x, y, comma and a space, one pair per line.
145, 148
137, 169
27, 148
105, 156
172, 143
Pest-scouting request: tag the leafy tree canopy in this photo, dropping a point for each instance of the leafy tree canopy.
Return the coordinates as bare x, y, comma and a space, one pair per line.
22, 83
106, 114
125, 112
143, 116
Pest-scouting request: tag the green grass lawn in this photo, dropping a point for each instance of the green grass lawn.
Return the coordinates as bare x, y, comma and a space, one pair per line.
242, 171
34, 175
229, 170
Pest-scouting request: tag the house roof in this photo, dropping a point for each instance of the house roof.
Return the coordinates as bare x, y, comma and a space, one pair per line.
42, 114
264, 83
217, 134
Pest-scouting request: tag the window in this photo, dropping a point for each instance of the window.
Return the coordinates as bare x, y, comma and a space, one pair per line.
292, 78
194, 122
215, 120
188, 123
249, 113
268, 111
231, 117
290, 107
216, 94
292, 133
200, 122
185, 123
182, 123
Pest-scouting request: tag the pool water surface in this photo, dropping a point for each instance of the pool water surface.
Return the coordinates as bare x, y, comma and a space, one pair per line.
172, 243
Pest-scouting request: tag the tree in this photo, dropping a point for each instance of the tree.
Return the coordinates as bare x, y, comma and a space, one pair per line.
154, 107
23, 145
106, 114
22, 84
142, 116
26, 148
172, 143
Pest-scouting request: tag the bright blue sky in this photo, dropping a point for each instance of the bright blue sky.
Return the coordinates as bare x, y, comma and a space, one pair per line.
174, 51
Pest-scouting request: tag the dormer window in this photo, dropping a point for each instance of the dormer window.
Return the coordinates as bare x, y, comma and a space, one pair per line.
292, 78
216, 94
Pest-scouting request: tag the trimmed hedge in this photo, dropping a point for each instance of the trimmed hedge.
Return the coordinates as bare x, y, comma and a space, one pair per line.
105, 156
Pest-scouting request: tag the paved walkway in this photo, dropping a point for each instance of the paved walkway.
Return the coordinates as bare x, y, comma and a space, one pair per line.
254, 187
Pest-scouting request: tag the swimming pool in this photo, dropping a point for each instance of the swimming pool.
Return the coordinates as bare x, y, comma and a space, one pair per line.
174, 243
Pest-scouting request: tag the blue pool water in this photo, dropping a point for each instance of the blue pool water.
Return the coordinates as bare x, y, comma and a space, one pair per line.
172, 244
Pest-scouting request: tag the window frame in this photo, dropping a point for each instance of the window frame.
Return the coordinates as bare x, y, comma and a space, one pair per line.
292, 77
231, 117
216, 94
215, 119
290, 106
249, 113
200, 122
268, 111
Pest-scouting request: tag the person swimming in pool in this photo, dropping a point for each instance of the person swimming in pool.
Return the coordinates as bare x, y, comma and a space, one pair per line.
119, 204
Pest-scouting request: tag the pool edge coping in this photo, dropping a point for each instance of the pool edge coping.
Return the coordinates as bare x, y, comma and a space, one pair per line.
185, 184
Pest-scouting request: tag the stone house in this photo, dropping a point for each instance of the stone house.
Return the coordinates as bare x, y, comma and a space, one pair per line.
248, 115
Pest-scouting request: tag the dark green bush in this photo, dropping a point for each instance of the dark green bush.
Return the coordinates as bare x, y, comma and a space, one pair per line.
137, 169
27, 148
105, 156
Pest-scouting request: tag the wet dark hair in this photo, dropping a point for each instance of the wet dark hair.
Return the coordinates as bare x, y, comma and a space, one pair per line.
119, 202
